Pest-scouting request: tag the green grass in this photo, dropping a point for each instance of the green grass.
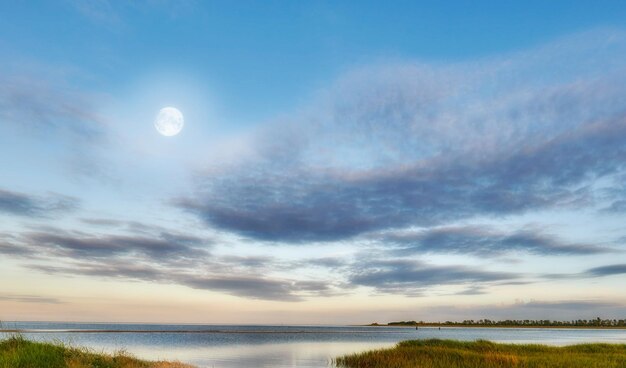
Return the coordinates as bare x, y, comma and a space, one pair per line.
485, 354
17, 352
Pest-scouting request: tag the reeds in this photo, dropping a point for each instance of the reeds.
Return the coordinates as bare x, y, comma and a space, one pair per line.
17, 352
485, 354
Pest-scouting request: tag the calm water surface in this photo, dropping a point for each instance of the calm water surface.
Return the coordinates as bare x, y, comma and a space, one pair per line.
277, 346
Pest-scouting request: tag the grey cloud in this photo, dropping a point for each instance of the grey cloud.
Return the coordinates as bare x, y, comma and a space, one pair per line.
21, 204
250, 287
258, 287
404, 276
485, 241
164, 257
244, 285
601, 271
414, 145
616, 269
165, 247
330, 206
474, 290
8, 248
119, 270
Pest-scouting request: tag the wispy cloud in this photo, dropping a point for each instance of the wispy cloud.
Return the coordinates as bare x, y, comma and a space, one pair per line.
42, 101
246, 285
412, 277
162, 257
600, 271
29, 299
486, 241
164, 246
615, 269
21, 204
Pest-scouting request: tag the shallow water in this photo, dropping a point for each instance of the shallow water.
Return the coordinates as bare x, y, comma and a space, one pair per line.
277, 346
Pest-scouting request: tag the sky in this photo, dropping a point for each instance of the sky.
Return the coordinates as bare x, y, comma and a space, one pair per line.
341, 162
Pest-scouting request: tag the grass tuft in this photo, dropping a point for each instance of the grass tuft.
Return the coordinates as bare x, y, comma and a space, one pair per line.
485, 354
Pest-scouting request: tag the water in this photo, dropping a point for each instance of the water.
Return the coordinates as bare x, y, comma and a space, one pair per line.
277, 346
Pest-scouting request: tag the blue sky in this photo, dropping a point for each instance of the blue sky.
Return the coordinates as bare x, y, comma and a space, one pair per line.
340, 162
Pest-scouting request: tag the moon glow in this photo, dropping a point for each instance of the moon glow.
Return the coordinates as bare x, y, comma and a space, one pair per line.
169, 121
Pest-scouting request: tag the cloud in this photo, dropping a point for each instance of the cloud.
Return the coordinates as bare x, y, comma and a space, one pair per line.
615, 195
390, 147
54, 109
257, 287
485, 241
166, 247
20, 204
411, 277
162, 257
472, 290
600, 271
39, 104
119, 269
10, 249
244, 285
616, 269
29, 299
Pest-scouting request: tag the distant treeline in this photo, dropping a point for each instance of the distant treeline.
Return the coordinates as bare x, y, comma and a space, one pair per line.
598, 322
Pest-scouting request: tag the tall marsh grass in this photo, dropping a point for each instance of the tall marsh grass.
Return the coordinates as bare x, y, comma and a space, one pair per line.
17, 352
485, 354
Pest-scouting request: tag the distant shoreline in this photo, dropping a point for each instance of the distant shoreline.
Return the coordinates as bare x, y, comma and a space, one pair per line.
514, 326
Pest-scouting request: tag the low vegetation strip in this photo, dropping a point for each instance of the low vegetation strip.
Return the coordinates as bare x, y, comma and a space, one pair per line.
576, 323
486, 354
17, 352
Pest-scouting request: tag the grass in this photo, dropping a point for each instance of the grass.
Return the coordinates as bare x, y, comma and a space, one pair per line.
17, 352
485, 354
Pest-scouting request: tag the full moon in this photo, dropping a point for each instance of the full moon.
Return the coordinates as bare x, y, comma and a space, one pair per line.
169, 121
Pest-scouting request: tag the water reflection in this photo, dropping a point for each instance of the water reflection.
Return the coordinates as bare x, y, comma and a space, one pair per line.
279, 346
300, 354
